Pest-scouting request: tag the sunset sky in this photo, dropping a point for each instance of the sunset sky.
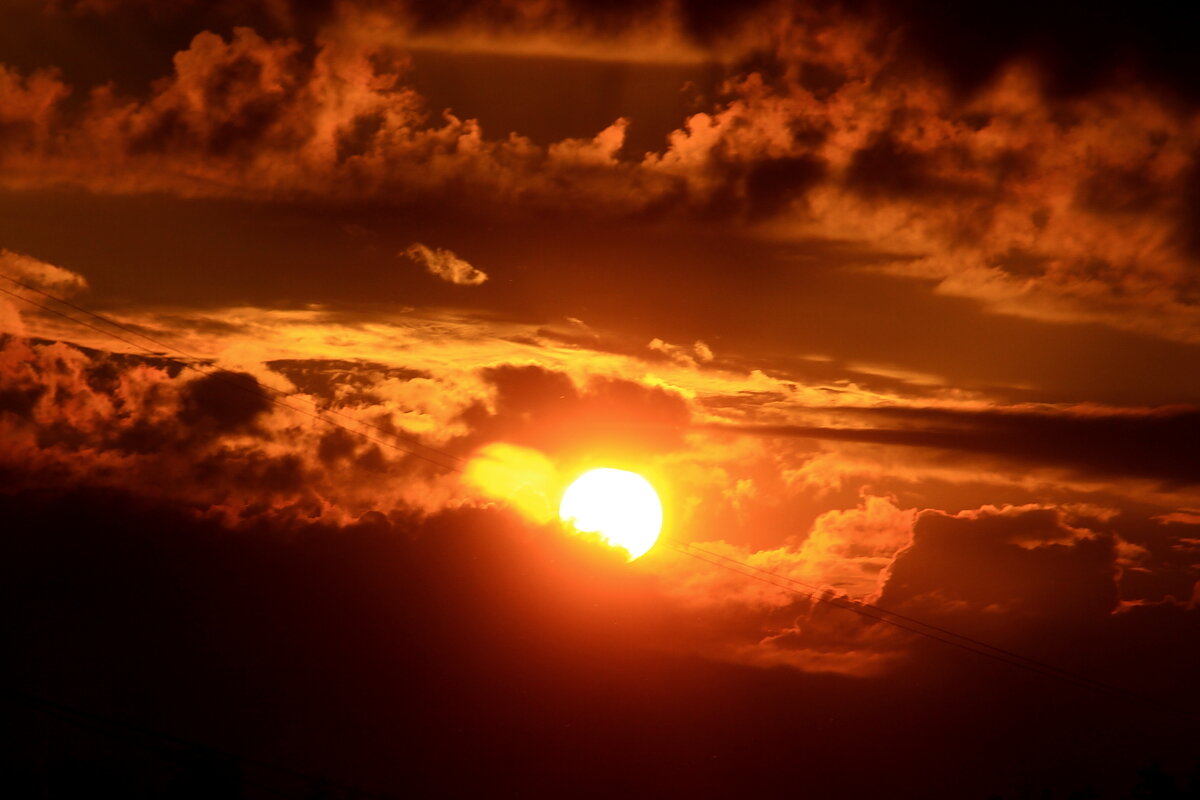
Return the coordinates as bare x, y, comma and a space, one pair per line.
896, 302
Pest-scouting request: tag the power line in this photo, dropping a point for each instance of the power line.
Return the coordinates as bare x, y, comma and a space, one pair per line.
268, 393
867, 610
105, 725
943, 635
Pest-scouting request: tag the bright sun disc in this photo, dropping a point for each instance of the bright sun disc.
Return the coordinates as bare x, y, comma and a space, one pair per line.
620, 507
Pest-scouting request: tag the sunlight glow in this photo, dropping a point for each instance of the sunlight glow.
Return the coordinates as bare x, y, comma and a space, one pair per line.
618, 506
523, 478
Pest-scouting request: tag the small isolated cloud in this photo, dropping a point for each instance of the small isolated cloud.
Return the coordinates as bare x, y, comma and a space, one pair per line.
698, 353
445, 265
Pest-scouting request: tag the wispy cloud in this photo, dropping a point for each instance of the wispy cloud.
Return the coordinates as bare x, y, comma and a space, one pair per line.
445, 265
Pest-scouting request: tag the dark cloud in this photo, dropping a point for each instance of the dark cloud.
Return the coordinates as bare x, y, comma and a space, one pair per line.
219, 613
336, 382
704, 20
286, 16
508, 659
1018, 564
545, 409
759, 190
20, 401
887, 169
1077, 47
771, 185
1045, 585
1188, 231
227, 100
1139, 443
223, 401
973, 190
215, 441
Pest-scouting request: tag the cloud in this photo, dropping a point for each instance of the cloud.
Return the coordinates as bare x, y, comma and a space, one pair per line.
1064, 206
214, 441
445, 265
40, 274
767, 607
254, 117
698, 353
1005, 565
225, 401
149, 427
29, 106
850, 549
243, 116
1183, 516
1030, 578
235, 617
220, 440
1148, 443
601, 416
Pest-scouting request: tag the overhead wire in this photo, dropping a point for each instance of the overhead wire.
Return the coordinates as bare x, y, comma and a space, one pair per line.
97, 722
927, 630
788, 583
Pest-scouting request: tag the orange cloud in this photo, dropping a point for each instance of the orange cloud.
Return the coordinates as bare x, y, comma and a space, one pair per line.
1071, 208
1005, 564
147, 425
445, 265
40, 274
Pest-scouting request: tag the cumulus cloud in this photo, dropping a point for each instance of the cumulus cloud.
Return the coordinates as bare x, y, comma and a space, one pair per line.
211, 440
997, 566
850, 549
215, 445
1013, 575
251, 116
224, 401
445, 265
220, 438
1067, 206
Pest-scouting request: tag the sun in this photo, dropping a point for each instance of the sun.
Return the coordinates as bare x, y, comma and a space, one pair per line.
619, 506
